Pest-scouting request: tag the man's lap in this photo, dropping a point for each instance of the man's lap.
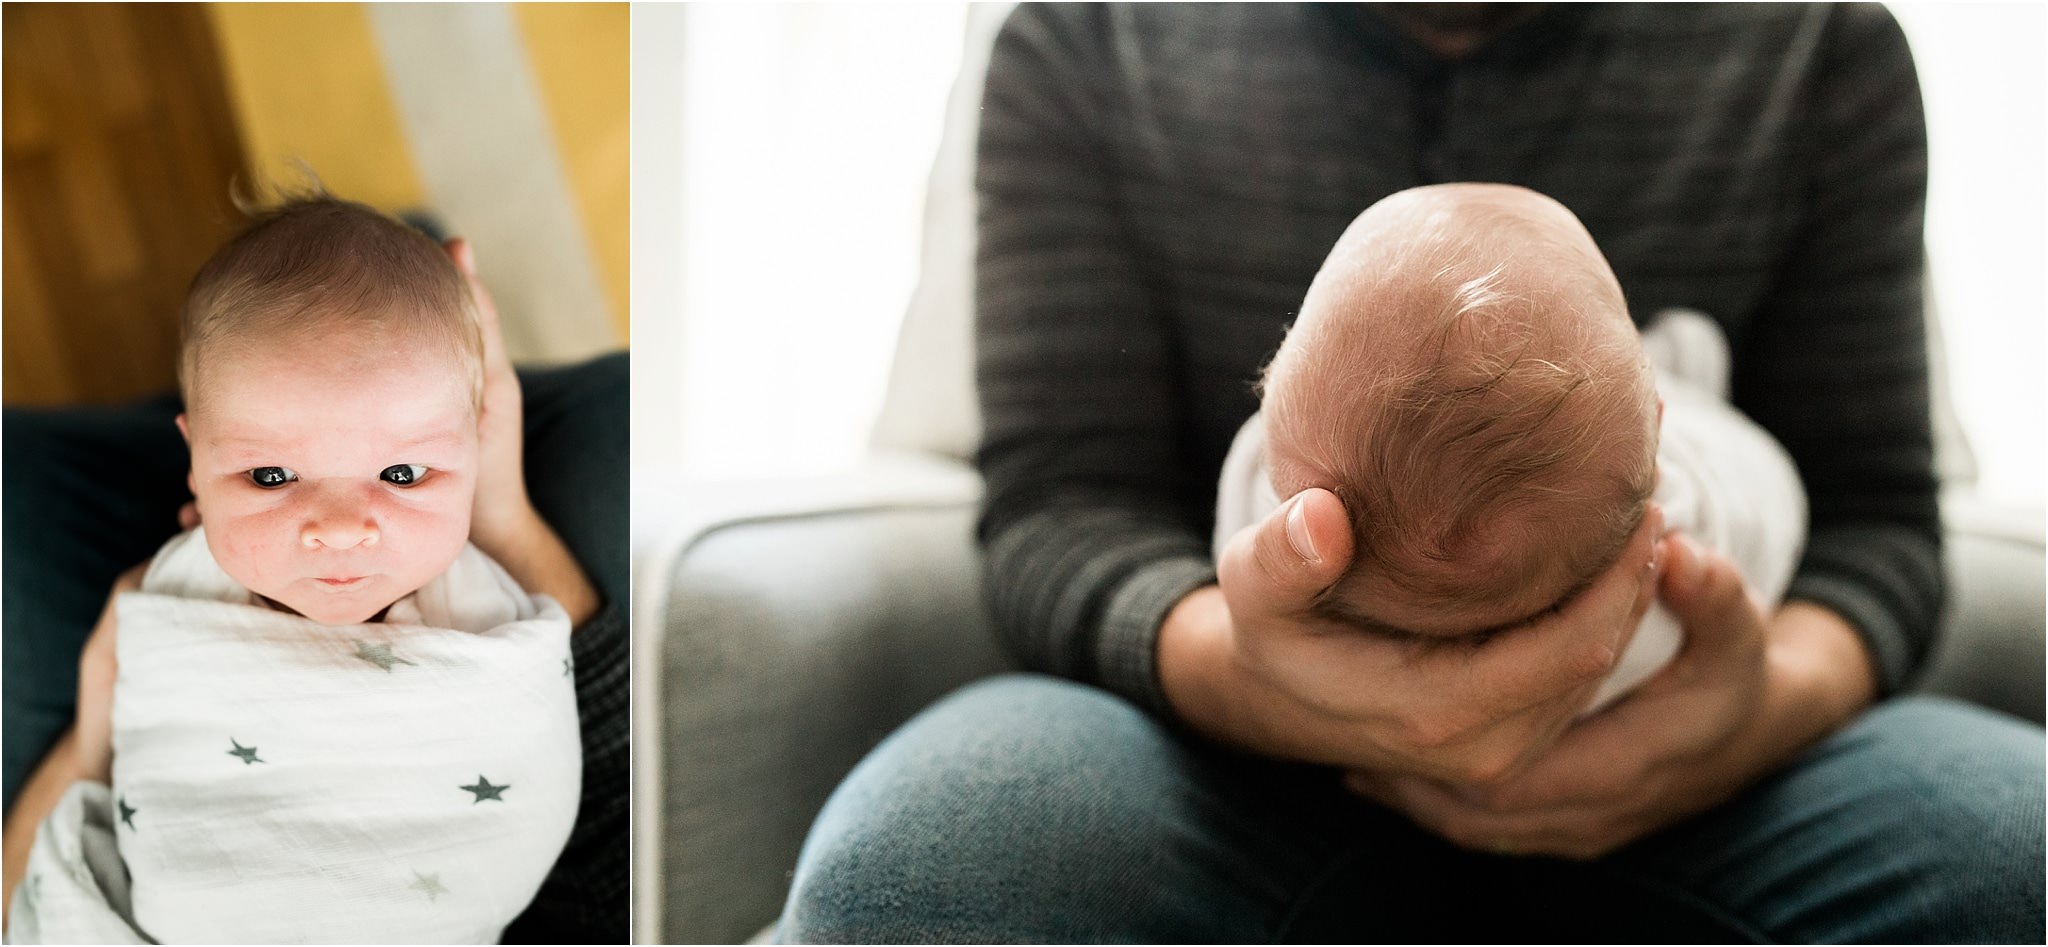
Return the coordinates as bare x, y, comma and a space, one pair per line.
1920, 822
1028, 808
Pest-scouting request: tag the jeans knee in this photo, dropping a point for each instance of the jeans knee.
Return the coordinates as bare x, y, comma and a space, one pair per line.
975, 813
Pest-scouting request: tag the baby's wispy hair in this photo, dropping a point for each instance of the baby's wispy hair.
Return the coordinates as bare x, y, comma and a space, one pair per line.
1459, 370
310, 262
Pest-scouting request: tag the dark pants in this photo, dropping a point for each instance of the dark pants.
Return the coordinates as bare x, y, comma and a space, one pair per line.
1026, 809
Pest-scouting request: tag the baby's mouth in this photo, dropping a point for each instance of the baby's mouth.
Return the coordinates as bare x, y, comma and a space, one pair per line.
342, 582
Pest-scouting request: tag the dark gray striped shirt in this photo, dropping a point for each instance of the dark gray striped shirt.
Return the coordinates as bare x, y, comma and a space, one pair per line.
584, 899
1159, 183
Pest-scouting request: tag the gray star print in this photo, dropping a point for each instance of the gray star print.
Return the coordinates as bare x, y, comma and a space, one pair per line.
246, 753
567, 668
127, 814
379, 655
431, 884
484, 790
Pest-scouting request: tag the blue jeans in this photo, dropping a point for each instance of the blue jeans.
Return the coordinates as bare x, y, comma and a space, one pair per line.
1029, 809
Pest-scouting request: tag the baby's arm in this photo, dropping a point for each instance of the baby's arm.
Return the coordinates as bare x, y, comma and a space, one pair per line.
84, 752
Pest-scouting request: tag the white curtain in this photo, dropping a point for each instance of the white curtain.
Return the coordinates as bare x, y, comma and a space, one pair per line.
793, 142
780, 157
1986, 92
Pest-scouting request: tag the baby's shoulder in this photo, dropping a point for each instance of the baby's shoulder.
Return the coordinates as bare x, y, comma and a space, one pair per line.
474, 567
473, 594
184, 567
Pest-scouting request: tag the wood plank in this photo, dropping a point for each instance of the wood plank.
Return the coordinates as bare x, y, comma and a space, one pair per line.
119, 150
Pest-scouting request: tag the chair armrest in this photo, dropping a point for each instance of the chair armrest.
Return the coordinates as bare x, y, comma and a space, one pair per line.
1990, 649
782, 630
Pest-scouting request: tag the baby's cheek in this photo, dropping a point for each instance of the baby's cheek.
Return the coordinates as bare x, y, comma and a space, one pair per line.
433, 536
249, 548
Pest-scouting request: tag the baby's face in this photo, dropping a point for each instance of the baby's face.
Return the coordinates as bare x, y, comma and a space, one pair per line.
334, 476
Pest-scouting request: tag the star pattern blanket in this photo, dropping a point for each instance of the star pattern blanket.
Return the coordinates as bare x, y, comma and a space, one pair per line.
278, 780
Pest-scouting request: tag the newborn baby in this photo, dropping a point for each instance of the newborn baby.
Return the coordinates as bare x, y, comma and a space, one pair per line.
335, 720
1465, 377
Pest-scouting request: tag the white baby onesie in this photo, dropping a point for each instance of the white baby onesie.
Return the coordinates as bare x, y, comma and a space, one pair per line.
280, 780
1722, 480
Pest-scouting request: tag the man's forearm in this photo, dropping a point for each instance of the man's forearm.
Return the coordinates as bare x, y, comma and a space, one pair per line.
1828, 669
1209, 692
535, 556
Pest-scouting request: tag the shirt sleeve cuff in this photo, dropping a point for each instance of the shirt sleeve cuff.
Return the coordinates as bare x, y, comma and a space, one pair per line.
1892, 654
1126, 656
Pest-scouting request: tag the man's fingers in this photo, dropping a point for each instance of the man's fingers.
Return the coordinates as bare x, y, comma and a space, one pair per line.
1520, 669
1534, 664
1278, 565
1568, 832
463, 254
1707, 595
1595, 765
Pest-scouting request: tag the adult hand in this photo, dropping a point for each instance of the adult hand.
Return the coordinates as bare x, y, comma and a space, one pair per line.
1248, 662
1744, 694
502, 504
504, 523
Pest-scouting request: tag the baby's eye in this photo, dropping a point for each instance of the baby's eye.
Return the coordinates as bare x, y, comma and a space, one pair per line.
403, 475
270, 478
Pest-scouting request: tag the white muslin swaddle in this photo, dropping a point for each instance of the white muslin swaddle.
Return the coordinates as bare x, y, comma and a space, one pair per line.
279, 780
1722, 480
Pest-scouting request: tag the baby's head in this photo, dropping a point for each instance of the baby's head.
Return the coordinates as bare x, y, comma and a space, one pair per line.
1465, 377
332, 363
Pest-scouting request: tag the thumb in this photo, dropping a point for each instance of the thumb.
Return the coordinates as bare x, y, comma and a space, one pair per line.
1279, 564
1703, 590
463, 254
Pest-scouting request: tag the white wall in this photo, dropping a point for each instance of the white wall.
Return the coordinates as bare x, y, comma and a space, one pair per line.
660, 267
1986, 91
806, 132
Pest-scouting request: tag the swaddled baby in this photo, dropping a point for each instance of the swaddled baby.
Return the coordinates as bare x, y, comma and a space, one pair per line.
334, 720
1465, 377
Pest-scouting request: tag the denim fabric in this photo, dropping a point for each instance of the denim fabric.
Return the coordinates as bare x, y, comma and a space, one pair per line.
1029, 809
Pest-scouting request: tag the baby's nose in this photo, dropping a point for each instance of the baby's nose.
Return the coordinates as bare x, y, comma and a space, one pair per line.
339, 526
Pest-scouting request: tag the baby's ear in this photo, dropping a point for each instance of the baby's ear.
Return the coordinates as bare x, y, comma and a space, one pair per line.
1660, 413
191, 486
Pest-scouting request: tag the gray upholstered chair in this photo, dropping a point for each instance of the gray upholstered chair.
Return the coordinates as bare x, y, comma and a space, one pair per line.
783, 628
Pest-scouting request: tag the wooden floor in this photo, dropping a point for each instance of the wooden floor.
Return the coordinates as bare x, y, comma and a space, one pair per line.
120, 148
